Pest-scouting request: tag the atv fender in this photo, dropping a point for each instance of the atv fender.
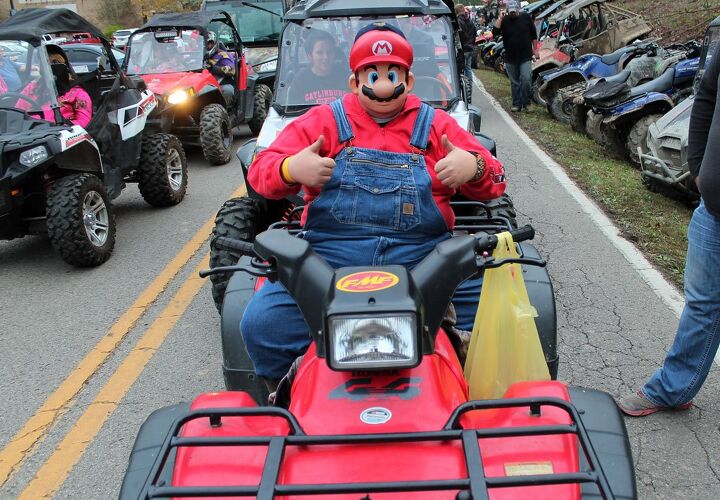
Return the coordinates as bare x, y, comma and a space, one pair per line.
210, 94
607, 433
562, 78
487, 141
81, 157
651, 103
475, 118
245, 154
150, 439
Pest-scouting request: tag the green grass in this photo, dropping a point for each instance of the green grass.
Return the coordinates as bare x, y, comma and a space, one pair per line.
656, 224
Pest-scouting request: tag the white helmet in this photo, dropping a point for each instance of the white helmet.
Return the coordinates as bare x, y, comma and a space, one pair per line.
211, 43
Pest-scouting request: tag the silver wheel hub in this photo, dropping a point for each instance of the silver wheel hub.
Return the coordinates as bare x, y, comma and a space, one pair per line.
174, 169
96, 218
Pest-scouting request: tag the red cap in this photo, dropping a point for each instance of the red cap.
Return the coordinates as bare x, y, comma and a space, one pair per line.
380, 46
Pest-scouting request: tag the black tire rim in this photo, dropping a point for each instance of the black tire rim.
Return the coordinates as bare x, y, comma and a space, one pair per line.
96, 218
174, 169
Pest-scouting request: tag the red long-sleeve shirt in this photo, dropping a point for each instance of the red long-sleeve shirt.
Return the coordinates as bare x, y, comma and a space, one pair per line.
394, 136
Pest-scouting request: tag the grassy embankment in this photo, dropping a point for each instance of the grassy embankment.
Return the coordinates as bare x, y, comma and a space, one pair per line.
656, 224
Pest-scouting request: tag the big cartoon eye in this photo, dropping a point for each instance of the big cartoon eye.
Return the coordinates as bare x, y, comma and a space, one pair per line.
373, 77
393, 77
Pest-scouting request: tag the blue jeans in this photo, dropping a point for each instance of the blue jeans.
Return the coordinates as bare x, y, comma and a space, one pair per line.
698, 335
467, 70
520, 82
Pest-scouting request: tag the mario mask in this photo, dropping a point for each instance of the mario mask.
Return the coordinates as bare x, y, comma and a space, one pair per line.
380, 60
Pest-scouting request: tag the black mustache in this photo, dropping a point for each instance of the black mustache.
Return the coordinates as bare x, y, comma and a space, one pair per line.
369, 93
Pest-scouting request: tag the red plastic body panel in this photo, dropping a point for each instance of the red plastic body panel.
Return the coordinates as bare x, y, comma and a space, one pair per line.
419, 399
163, 83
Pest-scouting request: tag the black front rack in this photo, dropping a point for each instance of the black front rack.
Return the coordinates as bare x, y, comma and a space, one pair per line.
475, 486
471, 217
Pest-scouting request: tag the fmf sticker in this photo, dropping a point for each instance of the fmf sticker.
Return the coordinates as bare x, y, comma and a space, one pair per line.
367, 281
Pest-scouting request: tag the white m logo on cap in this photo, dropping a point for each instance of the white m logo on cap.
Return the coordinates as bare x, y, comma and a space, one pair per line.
382, 48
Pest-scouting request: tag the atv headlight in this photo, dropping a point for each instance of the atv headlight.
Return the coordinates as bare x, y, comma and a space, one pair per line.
179, 96
363, 342
33, 156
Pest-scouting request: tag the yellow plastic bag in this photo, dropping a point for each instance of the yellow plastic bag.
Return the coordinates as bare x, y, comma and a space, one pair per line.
505, 347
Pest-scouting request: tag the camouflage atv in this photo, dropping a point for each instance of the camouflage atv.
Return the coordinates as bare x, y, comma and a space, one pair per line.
664, 166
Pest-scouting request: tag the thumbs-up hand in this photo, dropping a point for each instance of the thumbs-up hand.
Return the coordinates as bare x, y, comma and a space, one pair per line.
309, 168
457, 167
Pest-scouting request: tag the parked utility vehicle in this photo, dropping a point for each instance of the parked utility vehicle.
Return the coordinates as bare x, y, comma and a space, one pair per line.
170, 54
57, 177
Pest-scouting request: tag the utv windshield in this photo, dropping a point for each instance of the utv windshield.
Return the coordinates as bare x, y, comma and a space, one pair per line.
254, 24
165, 51
26, 80
314, 60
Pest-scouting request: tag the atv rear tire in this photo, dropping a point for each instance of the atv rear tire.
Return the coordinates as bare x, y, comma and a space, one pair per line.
262, 98
80, 220
560, 108
578, 118
216, 137
637, 137
162, 176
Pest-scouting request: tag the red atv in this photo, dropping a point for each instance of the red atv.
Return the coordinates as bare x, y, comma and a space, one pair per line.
378, 406
198, 105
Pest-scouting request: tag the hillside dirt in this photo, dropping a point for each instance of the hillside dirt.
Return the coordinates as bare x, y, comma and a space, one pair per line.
673, 20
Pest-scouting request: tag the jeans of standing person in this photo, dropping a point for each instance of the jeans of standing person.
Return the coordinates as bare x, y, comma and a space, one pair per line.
467, 71
698, 335
520, 82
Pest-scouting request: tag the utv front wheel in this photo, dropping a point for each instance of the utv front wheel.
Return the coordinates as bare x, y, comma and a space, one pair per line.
262, 98
162, 176
80, 220
216, 134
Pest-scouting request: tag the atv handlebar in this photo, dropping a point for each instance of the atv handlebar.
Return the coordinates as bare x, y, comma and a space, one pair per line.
243, 247
488, 242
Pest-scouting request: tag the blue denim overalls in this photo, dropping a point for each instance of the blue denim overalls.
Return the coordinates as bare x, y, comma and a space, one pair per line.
376, 209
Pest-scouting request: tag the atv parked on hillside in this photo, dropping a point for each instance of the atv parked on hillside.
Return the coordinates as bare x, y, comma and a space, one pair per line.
378, 406
170, 54
437, 78
664, 163
58, 178
552, 83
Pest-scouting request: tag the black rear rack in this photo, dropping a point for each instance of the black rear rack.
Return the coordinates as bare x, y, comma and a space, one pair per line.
476, 485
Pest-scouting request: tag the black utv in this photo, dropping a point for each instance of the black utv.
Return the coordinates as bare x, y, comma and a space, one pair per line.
58, 177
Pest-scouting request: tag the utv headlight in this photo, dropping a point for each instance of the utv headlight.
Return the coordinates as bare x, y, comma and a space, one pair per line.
33, 156
363, 342
179, 96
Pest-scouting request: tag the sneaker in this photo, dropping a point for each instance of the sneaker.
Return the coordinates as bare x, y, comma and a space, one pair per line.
515, 109
638, 405
527, 109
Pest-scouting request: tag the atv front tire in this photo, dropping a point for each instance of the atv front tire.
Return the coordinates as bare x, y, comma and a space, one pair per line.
216, 134
262, 98
560, 108
162, 176
637, 137
80, 220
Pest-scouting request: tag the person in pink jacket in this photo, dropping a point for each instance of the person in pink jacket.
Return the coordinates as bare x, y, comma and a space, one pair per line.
75, 103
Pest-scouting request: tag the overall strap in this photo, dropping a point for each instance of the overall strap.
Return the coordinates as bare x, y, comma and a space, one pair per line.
345, 132
421, 129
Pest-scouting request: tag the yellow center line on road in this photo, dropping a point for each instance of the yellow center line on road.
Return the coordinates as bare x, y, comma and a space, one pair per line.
55, 470
37, 427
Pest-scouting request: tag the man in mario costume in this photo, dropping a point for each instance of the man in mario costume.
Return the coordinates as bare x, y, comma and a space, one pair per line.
377, 168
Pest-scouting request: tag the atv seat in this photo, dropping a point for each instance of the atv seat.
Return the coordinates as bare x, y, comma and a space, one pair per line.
614, 57
663, 83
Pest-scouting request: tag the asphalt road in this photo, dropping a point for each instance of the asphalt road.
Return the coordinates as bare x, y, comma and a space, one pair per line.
86, 355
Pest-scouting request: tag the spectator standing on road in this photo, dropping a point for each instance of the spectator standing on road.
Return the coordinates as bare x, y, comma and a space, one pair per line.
518, 34
691, 355
467, 39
